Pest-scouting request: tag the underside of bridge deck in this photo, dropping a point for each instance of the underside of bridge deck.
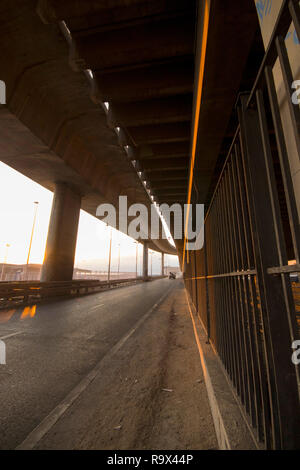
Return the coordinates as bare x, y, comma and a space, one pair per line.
98, 91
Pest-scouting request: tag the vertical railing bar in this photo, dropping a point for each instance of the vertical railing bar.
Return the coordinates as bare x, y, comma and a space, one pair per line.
245, 299
284, 164
210, 261
275, 422
288, 80
227, 315
219, 297
233, 291
193, 275
295, 14
280, 242
254, 325
216, 284
204, 286
207, 298
240, 306
228, 288
283, 381
195, 281
223, 290
239, 281
280, 245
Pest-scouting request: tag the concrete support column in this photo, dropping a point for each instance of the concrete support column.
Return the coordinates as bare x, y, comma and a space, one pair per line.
145, 261
62, 235
162, 264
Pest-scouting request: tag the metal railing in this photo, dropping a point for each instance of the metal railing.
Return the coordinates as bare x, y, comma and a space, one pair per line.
29, 292
240, 282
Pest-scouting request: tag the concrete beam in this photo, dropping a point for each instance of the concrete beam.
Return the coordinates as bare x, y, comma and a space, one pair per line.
157, 151
146, 81
158, 134
62, 235
51, 11
103, 12
171, 191
178, 193
167, 176
133, 44
156, 111
170, 202
164, 164
170, 150
183, 183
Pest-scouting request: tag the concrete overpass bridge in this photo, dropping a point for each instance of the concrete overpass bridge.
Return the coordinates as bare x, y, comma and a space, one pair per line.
172, 102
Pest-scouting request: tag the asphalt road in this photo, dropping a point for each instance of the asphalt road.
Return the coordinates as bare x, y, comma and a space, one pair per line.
50, 349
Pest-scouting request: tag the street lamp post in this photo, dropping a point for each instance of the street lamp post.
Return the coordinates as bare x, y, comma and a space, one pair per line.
119, 261
151, 261
36, 203
109, 257
5, 259
136, 258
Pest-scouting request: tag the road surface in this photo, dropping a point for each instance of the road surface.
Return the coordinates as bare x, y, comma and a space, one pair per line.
54, 347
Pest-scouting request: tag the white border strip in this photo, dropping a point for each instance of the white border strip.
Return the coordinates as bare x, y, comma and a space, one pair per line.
11, 335
221, 433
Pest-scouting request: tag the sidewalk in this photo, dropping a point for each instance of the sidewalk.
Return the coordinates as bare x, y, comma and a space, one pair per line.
150, 394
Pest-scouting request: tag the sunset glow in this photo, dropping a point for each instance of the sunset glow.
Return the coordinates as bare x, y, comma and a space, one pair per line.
17, 196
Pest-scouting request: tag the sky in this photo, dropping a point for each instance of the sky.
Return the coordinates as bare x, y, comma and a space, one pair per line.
17, 196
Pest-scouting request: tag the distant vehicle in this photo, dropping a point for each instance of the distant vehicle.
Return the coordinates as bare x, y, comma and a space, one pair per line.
172, 276
294, 277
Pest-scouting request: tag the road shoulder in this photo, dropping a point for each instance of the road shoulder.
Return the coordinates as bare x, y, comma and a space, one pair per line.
149, 395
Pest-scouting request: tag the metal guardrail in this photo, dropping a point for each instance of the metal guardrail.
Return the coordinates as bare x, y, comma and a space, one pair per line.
29, 292
240, 282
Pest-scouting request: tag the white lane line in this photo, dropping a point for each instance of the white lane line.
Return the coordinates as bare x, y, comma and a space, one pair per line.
117, 292
95, 307
12, 334
117, 298
49, 421
120, 298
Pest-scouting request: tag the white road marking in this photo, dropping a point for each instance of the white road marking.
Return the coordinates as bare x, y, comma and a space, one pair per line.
95, 307
12, 334
49, 421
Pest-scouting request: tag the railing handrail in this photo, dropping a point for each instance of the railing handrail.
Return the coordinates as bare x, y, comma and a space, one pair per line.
10, 291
